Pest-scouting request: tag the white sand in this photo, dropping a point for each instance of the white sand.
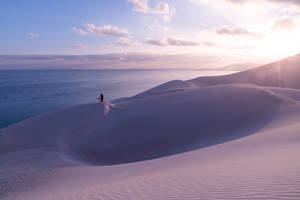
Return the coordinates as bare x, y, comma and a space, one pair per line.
229, 137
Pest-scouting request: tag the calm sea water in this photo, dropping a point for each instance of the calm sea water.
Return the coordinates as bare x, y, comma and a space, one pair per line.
27, 93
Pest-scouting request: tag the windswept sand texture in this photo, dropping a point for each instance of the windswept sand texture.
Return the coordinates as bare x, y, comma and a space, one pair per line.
227, 137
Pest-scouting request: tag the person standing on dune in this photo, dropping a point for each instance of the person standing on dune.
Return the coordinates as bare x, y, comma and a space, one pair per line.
101, 97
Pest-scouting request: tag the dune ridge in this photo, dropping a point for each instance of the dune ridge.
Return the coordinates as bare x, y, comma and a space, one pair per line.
283, 73
228, 137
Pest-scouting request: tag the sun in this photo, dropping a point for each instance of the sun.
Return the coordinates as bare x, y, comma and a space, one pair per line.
281, 44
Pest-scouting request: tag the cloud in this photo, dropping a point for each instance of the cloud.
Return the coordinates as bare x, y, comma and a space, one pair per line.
109, 46
209, 44
143, 6
109, 61
154, 25
33, 35
127, 42
294, 2
169, 16
79, 31
156, 42
160, 8
235, 31
107, 30
171, 41
79, 46
283, 24
140, 5
178, 42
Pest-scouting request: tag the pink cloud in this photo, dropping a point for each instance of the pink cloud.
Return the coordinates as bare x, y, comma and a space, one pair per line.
237, 31
295, 2
233, 31
127, 42
79, 46
284, 24
33, 35
79, 31
108, 30
171, 41
140, 5
160, 8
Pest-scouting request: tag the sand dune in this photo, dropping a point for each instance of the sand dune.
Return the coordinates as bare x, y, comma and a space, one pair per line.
228, 137
176, 122
283, 73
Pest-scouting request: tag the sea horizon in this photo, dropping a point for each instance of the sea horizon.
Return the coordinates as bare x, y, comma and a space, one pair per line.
28, 93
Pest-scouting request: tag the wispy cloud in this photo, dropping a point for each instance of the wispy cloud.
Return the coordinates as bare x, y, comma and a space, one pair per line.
179, 42
143, 6
236, 31
160, 8
109, 46
169, 16
156, 42
123, 41
108, 30
140, 5
284, 24
105, 30
33, 35
154, 25
79, 31
209, 44
109, 61
294, 2
171, 41
79, 46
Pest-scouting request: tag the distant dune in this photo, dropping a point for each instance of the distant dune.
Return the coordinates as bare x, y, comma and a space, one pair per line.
225, 137
239, 67
284, 73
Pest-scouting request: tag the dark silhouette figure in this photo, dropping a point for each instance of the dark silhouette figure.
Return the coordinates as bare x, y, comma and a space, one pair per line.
101, 97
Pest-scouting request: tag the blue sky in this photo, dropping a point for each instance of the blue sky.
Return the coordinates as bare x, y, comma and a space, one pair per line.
53, 21
243, 31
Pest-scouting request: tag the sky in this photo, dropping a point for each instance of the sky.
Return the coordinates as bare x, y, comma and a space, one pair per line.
146, 33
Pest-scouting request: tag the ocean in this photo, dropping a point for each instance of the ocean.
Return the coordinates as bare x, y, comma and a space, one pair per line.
27, 93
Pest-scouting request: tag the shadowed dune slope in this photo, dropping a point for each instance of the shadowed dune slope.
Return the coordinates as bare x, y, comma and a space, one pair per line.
44, 130
147, 128
171, 123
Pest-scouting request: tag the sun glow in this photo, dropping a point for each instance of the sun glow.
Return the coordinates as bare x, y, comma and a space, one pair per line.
281, 44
